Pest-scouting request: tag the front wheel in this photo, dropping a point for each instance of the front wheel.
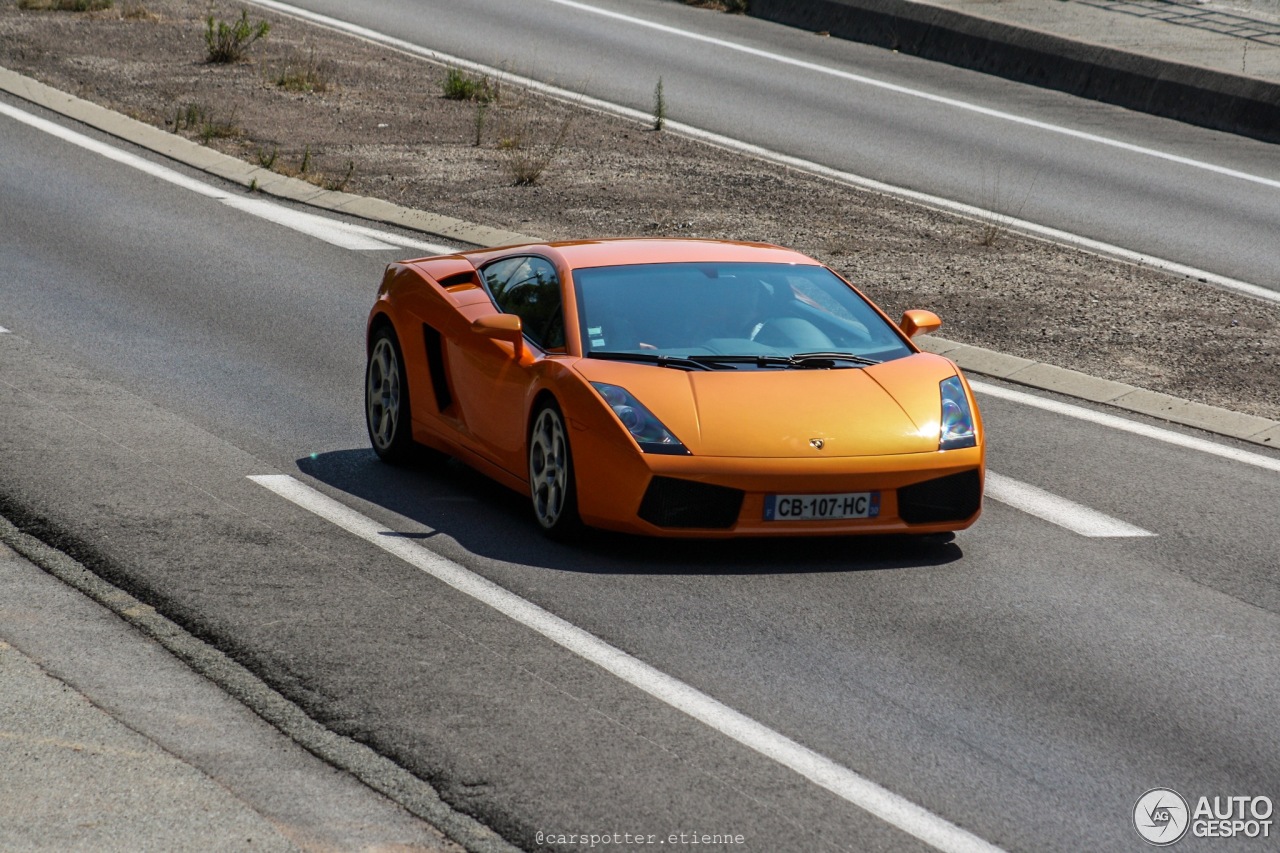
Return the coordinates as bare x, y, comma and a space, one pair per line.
551, 481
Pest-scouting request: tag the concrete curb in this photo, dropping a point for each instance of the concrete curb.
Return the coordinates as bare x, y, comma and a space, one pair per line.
973, 359
377, 772
1233, 103
1082, 386
249, 176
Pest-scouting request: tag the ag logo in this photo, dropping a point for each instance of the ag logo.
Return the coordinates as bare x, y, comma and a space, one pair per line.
1161, 816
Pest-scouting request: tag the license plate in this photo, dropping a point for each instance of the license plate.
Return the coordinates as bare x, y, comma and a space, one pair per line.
821, 507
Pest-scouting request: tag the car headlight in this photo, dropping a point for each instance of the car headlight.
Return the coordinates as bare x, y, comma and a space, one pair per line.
646, 429
957, 418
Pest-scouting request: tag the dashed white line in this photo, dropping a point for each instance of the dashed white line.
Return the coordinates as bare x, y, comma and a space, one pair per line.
841, 781
1057, 510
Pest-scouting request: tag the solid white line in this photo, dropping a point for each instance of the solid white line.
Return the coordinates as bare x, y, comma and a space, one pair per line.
914, 93
937, 202
3, 330
1116, 422
1057, 510
343, 234
841, 781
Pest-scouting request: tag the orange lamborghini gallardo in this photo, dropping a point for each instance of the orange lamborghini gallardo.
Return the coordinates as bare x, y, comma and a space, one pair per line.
674, 388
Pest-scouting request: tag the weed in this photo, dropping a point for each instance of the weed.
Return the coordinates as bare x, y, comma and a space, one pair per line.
306, 161
301, 73
219, 129
482, 110
461, 86
188, 116
340, 185
230, 42
735, 7
659, 107
133, 10
992, 229
267, 161
66, 5
993, 226
202, 121
526, 162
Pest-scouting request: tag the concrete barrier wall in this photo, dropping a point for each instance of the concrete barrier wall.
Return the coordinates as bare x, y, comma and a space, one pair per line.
1201, 96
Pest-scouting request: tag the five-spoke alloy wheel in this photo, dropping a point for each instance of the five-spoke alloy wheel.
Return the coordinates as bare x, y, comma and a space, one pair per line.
386, 399
551, 482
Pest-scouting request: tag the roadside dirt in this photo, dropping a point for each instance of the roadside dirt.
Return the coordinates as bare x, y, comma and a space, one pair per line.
380, 126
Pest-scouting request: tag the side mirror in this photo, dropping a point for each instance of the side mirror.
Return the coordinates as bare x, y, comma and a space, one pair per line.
917, 321
502, 327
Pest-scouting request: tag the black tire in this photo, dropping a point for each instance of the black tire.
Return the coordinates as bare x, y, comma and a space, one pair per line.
553, 490
386, 400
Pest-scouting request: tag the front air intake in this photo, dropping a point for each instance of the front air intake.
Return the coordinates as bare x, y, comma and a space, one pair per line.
669, 502
955, 497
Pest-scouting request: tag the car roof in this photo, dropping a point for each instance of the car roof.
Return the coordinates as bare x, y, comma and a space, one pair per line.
616, 252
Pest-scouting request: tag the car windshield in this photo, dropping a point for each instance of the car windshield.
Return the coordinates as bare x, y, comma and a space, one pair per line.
739, 314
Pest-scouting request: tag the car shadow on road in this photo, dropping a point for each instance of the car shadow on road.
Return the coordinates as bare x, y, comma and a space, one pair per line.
493, 522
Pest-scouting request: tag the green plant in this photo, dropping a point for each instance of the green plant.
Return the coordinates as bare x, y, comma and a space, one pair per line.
229, 42
265, 160
306, 161
461, 86
659, 107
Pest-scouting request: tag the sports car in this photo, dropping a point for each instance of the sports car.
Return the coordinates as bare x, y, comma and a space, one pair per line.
692, 388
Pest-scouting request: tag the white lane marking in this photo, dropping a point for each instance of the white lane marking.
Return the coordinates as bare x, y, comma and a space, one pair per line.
343, 234
329, 230
937, 202
3, 330
1057, 510
1115, 422
841, 781
916, 93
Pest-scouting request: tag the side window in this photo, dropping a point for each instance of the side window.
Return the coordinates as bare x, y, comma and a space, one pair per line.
529, 288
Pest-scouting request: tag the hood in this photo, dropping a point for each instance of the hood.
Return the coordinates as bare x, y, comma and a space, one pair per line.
884, 409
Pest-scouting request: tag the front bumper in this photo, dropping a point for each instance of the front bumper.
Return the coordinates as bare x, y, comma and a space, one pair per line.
672, 496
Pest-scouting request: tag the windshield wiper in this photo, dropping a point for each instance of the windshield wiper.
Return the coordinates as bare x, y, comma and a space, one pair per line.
673, 361
801, 360
822, 359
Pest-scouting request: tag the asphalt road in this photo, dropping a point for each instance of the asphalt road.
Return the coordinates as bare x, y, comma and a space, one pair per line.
1085, 168
1026, 683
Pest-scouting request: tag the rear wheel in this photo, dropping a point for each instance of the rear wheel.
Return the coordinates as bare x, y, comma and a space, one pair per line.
386, 399
551, 481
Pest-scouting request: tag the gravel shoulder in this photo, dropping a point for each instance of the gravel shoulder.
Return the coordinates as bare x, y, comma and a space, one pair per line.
374, 122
